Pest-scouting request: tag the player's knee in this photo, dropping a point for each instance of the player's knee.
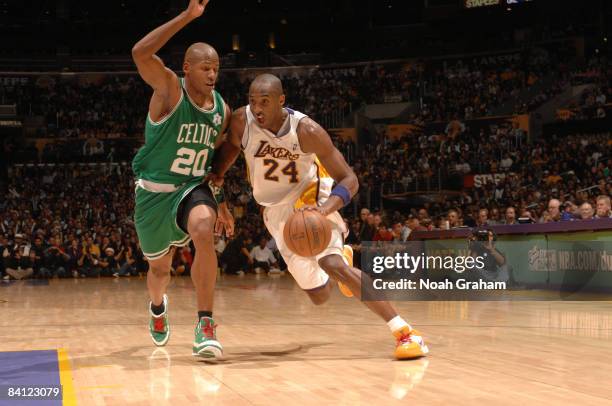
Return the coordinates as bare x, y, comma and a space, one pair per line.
334, 266
161, 267
202, 232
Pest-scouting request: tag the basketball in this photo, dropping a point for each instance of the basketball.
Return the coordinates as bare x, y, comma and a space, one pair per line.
307, 233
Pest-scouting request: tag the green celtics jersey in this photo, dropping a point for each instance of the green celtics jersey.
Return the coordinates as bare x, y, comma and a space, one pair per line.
179, 148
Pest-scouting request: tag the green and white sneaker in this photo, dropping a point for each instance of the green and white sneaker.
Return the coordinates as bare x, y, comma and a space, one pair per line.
206, 344
158, 325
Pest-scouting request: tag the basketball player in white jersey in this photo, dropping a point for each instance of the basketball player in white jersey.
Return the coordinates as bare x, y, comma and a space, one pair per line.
292, 165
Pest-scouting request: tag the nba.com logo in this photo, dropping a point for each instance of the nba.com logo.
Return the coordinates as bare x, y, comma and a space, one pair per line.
541, 260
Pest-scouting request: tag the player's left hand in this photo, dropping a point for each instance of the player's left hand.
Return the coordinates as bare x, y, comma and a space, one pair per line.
320, 209
225, 221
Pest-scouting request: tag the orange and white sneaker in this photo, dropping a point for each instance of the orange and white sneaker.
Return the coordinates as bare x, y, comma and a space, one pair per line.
410, 344
347, 254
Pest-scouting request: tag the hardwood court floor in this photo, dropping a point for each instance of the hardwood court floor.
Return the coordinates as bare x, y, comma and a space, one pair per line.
281, 349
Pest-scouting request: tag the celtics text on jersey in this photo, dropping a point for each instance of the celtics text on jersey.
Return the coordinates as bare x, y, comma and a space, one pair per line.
179, 148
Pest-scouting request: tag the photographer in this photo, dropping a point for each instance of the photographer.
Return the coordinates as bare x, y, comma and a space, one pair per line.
17, 259
482, 244
108, 264
54, 260
89, 262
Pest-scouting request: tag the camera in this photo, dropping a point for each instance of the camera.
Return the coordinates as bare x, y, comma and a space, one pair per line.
478, 239
481, 235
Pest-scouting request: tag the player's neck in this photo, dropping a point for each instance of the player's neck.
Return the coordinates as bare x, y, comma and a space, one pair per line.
278, 124
202, 100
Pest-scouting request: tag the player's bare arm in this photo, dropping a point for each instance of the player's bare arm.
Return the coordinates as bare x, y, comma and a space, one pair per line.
230, 149
224, 127
225, 220
165, 83
314, 139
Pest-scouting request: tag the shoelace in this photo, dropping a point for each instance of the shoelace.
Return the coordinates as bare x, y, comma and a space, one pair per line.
405, 338
158, 325
209, 330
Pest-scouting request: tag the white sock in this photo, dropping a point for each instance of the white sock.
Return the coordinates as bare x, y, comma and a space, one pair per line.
397, 323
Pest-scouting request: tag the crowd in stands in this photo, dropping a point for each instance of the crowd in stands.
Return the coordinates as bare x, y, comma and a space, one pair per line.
107, 106
76, 220
592, 102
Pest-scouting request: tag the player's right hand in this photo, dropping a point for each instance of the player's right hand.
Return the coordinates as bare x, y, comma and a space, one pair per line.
215, 179
196, 8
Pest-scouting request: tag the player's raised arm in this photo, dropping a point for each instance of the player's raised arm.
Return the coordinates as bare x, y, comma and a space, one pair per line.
230, 149
152, 69
314, 139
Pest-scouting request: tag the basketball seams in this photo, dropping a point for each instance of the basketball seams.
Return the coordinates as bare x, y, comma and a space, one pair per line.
307, 233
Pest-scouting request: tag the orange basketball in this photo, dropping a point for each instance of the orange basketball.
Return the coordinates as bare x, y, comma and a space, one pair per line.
307, 233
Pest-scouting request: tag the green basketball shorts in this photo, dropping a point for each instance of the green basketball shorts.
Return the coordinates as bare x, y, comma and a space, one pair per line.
155, 219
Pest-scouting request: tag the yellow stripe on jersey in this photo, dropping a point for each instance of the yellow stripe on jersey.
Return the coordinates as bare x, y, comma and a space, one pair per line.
248, 171
311, 193
322, 171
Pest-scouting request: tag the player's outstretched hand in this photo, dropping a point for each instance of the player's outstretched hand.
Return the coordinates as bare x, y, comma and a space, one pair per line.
196, 8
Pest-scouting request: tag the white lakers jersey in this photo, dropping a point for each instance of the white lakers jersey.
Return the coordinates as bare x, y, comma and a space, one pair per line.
279, 171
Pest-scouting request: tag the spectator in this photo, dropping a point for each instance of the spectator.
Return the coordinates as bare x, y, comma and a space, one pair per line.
128, 267
453, 219
495, 217
553, 213
569, 210
182, 261
510, 216
603, 207
368, 229
74, 252
108, 265
3, 246
39, 253
89, 262
483, 218
55, 260
263, 258
586, 211
236, 255
18, 261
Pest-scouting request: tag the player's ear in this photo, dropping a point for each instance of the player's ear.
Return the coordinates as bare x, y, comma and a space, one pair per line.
281, 99
186, 66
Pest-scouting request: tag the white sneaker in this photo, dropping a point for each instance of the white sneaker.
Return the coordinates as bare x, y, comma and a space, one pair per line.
274, 271
258, 270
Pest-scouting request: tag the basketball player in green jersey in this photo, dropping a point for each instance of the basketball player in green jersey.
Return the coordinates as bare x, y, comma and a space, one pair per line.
173, 203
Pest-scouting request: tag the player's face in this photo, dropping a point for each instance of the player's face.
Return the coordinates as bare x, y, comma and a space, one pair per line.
266, 107
202, 75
